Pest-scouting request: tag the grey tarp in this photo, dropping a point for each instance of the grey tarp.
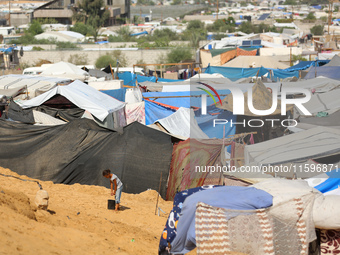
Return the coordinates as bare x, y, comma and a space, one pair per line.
80, 150
335, 61
308, 144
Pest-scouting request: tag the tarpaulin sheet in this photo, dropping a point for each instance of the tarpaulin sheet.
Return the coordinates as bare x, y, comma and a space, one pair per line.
189, 99
215, 52
226, 56
118, 94
280, 74
303, 65
246, 52
186, 156
80, 150
234, 73
130, 78
332, 72
228, 197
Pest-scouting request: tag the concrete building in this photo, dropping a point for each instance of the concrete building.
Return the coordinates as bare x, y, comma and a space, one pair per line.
62, 10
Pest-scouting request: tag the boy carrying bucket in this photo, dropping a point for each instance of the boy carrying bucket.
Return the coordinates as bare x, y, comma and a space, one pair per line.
118, 186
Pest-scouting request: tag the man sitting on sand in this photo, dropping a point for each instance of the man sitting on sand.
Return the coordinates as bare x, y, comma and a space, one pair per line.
114, 180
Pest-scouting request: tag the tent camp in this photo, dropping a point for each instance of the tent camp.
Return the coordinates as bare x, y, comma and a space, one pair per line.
255, 61
66, 70
61, 36
78, 152
104, 108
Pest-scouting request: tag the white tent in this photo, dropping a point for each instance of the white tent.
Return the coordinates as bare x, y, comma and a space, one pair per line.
85, 97
61, 36
64, 69
183, 123
35, 84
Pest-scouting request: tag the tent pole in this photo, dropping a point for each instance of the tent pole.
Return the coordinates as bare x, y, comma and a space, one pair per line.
158, 194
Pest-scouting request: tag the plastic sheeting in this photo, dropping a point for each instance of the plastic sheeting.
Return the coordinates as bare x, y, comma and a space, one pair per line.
78, 152
154, 112
130, 78
303, 65
118, 94
183, 123
300, 146
83, 96
332, 72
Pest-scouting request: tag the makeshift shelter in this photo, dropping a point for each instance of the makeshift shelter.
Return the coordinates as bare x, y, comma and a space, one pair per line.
295, 150
191, 163
35, 85
255, 61
108, 111
217, 57
262, 99
303, 65
183, 123
335, 61
332, 72
80, 150
66, 70
61, 36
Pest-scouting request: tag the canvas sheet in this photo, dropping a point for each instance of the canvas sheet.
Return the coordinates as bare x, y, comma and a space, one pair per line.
332, 72
308, 144
78, 152
323, 102
207, 59
187, 156
183, 123
135, 112
83, 96
232, 197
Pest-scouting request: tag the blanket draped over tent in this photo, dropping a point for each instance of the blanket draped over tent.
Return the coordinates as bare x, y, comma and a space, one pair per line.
80, 150
187, 157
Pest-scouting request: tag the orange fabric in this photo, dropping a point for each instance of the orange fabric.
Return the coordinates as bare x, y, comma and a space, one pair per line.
241, 52
226, 56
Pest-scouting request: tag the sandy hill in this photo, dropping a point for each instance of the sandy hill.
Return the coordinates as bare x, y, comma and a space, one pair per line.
77, 220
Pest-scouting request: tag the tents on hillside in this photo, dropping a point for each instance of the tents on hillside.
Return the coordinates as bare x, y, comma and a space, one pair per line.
107, 111
78, 152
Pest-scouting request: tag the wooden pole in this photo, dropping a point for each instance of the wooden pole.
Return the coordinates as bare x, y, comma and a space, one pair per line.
158, 194
113, 77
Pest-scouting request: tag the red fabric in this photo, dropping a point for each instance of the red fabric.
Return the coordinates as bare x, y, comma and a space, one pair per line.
241, 52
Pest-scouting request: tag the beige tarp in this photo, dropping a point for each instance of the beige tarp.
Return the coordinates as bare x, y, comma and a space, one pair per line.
255, 61
207, 59
262, 100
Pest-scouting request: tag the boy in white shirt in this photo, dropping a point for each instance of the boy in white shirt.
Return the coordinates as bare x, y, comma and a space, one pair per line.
118, 186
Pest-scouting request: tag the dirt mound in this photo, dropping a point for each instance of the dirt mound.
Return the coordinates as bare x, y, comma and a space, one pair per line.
77, 220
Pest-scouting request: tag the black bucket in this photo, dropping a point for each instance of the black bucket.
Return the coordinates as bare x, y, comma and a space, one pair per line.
111, 204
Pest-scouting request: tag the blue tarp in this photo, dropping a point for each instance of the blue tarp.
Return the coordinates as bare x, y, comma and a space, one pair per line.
332, 72
102, 42
282, 74
303, 65
118, 94
317, 7
170, 226
332, 183
154, 112
140, 33
234, 73
228, 197
130, 78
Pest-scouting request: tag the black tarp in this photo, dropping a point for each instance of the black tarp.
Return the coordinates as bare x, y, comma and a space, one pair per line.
16, 113
80, 150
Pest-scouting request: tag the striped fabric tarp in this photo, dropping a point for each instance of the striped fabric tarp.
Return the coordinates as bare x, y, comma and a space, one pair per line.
222, 231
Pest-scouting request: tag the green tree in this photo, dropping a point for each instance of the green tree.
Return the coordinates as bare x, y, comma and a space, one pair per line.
176, 55
195, 25
124, 32
94, 14
317, 30
311, 16
118, 55
247, 27
104, 61
80, 27
35, 28
290, 2
66, 46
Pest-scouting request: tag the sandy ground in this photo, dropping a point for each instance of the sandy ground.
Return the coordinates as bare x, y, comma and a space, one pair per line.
77, 220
